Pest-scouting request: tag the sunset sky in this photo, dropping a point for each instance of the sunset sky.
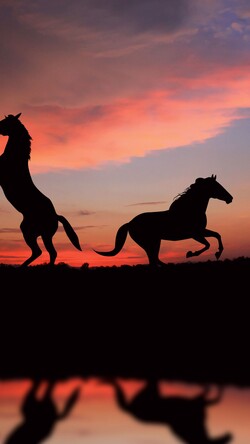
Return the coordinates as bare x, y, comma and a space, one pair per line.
127, 103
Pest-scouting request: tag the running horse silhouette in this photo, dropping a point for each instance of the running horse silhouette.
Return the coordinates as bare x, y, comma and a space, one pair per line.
39, 215
185, 219
185, 416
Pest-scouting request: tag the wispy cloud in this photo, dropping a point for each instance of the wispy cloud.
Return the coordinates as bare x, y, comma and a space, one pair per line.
85, 213
147, 203
9, 230
77, 228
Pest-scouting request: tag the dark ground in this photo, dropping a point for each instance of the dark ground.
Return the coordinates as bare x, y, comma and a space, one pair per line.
186, 322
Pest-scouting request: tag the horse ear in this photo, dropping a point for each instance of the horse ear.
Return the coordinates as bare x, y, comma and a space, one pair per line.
18, 115
213, 176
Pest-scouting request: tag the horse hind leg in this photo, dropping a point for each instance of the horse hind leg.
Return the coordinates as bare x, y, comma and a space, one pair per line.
152, 250
31, 241
47, 240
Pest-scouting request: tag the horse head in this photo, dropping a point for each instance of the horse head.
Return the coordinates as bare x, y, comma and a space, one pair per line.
8, 124
214, 188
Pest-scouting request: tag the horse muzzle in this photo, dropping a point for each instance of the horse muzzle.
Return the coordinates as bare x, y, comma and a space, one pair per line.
229, 199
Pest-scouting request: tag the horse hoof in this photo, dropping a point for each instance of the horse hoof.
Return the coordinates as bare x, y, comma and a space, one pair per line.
189, 254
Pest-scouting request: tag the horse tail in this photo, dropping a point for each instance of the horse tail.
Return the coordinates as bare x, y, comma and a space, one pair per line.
120, 239
70, 232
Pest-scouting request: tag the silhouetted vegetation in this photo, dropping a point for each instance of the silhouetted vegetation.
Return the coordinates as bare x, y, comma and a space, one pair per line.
187, 321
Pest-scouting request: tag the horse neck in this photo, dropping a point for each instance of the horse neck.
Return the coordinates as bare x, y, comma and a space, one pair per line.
201, 203
191, 202
17, 149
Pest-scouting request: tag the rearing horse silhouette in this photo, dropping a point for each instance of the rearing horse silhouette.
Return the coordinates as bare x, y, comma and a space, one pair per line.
185, 219
40, 415
39, 215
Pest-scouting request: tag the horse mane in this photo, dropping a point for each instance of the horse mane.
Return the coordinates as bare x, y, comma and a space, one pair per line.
183, 198
25, 138
189, 190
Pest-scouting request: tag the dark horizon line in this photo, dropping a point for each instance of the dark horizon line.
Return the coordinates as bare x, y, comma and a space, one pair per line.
146, 265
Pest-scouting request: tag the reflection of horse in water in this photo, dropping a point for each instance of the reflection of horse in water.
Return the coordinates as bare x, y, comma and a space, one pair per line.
185, 219
39, 215
40, 416
184, 415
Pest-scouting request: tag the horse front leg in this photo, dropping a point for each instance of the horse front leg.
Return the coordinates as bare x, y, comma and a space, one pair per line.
203, 241
210, 233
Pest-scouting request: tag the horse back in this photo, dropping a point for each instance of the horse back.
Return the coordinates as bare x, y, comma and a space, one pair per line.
168, 225
153, 222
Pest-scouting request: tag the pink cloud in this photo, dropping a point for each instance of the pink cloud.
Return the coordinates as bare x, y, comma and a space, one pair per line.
160, 119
